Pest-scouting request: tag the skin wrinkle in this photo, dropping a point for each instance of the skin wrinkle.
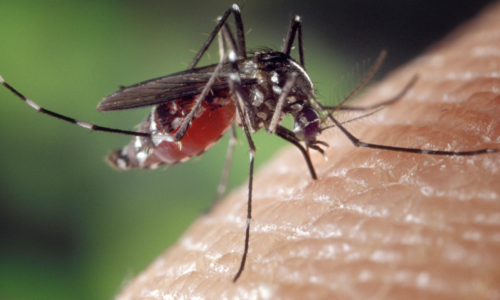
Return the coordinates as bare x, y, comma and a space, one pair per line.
376, 224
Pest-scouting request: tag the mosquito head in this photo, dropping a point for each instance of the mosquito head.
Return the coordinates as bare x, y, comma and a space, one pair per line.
307, 124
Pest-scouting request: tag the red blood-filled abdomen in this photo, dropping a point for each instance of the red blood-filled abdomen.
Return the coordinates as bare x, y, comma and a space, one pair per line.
213, 119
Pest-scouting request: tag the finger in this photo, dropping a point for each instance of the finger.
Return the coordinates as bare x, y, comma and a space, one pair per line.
377, 224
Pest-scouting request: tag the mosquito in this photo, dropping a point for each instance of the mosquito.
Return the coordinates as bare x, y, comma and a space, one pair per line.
192, 109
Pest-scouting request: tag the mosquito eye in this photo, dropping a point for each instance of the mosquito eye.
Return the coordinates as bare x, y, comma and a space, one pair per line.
307, 124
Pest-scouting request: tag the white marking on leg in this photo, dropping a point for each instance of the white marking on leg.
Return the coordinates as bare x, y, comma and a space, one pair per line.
32, 104
234, 77
1, 79
235, 7
85, 125
232, 55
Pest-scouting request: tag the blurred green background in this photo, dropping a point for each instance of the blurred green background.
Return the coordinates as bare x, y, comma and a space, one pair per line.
72, 227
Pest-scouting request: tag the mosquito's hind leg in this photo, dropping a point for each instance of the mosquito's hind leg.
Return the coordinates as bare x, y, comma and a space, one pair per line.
69, 119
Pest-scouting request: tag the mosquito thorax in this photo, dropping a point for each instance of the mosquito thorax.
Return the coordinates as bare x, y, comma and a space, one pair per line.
279, 67
273, 69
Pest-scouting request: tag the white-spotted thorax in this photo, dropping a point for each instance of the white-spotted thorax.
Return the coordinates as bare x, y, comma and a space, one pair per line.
273, 70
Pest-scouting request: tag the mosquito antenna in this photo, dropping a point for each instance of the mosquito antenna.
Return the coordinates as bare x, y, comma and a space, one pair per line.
377, 106
355, 119
363, 82
394, 99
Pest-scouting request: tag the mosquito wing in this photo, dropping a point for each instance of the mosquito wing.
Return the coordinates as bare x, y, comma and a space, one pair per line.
186, 84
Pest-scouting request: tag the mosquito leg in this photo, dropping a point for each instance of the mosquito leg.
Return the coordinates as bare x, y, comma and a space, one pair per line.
290, 36
240, 94
68, 119
229, 38
249, 203
241, 100
224, 35
226, 38
301, 47
241, 54
222, 47
295, 28
289, 136
252, 149
358, 143
281, 100
187, 120
240, 33
222, 21
241, 48
221, 189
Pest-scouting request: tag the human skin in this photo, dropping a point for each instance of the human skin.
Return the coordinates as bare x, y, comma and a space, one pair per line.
376, 224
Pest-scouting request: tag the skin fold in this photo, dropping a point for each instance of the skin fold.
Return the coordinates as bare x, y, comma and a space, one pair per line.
376, 224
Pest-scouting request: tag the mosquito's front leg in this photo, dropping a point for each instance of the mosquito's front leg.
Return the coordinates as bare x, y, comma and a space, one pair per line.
295, 28
240, 35
290, 137
281, 101
240, 50
187, 120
